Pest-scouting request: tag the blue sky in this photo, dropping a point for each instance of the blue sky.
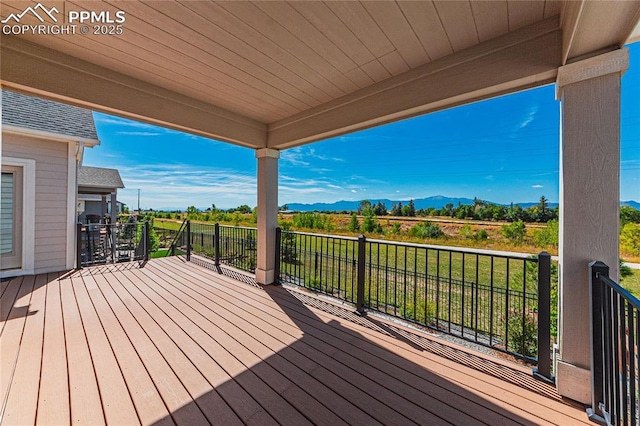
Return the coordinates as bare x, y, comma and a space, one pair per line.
502, 150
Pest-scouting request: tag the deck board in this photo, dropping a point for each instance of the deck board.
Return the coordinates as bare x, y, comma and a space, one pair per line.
22, 399
84, 396
176, 343
53, 396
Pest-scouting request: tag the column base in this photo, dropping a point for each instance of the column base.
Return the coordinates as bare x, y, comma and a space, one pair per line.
573, 382
265, 276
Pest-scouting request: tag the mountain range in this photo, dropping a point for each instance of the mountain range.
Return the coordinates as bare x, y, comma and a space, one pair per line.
437, 202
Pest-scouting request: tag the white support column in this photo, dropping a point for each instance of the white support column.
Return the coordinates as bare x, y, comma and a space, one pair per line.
267, 213
114, 207
589, 202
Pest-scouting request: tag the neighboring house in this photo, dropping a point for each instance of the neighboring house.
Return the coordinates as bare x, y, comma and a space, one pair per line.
42, 148
97, 192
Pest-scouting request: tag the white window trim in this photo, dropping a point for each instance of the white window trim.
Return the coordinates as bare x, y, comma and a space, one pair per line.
74, 151
28, 215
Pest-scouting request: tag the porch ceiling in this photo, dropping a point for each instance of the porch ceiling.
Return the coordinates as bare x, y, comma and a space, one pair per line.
281, 74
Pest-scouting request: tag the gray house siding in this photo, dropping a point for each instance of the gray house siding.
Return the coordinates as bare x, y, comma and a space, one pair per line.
51, 196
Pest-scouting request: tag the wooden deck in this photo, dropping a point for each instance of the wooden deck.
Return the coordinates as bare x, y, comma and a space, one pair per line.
176, 343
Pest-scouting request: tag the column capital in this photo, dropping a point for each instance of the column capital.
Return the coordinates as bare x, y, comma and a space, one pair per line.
596, 66
267, 152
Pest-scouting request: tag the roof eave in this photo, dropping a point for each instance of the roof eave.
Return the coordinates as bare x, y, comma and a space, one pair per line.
90, 143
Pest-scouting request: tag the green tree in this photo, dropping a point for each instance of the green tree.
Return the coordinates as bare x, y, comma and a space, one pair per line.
354, 225
543, 209
396, 209
369, 222
243, 209
192, 213
409, 210
380, 209
629, 214
364, 204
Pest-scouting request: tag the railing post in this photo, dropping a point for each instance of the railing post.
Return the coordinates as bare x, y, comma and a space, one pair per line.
79, 246
147, 241
544, 318
596, 269
362, 245
276, 272
216, 246
188, 229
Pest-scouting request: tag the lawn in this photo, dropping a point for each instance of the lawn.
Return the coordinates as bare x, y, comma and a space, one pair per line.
632, 282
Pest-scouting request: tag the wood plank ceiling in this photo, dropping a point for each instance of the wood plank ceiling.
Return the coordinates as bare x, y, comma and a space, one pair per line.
271, 60
260, 66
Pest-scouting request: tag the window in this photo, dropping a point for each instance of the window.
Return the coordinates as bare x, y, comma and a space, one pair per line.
11, 217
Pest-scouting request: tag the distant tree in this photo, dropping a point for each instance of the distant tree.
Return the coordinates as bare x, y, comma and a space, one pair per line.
396, 209
514, 213
354, 225
448, 209
364, 204
243, 209
192, 212
369, 222
284, 208
380, 209
409, 210
542, 212
629, 214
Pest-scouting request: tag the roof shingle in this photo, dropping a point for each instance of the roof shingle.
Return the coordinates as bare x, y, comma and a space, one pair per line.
48, 116
98, 177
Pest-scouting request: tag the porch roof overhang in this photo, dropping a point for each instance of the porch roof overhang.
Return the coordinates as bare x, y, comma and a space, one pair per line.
282, 74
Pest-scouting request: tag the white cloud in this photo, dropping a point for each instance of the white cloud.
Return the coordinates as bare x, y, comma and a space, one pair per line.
537, 186
354, 191
139, 133
529, 116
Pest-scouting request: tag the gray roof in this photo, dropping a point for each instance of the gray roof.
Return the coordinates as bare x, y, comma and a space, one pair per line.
98, 177
48, 116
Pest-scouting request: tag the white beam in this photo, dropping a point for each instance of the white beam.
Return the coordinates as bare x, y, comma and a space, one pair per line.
267, 214
525, 58
589, 203
37, 70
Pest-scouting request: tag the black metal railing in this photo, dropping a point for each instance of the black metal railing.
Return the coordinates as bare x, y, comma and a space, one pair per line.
175, 240
99, 244
615, 346
494, 299
227, 245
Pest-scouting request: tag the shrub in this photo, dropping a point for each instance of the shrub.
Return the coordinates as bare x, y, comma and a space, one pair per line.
426, 230
514, 232
466, 232
396, 228
630, 238
481, 234
547, 237
354, 225
523, 338
370, 222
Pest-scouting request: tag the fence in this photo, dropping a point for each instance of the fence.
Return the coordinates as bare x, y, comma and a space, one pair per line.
615, 345
497, 300
227, 245
99, 244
